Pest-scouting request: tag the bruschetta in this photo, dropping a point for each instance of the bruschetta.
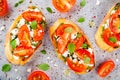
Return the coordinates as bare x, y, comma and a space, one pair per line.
72, 46
108, 34
25, 36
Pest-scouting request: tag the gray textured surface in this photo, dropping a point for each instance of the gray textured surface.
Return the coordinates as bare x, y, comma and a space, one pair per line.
57, 67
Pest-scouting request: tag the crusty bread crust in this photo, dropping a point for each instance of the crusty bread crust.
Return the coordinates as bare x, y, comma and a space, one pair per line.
99, 40
8, 53
56, 25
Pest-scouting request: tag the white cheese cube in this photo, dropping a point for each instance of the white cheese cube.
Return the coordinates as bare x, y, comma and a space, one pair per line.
66, 53
21, 22
14, 31
73, 36
75, 60
90, 50
17, 41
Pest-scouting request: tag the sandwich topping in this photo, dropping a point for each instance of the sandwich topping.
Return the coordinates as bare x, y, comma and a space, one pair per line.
73, 48
111, 28
28, 33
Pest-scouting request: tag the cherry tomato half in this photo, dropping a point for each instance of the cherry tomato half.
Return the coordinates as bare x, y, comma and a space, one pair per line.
38, 75
31, 16
38, 33
23, 51
105, 68
114, 22
63, 5
24, 35
106, 34
3, 7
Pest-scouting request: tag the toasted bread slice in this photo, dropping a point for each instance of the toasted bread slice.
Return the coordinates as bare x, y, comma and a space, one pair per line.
98, 36
52, 32
15, 59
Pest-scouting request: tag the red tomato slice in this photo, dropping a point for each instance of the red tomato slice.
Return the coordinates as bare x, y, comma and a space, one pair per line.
24, 35
82, 53
105, 68
32, 15
3, 7
38, 33
23, 51
79, 41
118, 36
38, 75
115, 22
106, 34
63, 5
76, 66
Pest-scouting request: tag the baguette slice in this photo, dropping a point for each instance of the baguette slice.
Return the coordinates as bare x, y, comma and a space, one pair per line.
18, 59
98, 36
65, 55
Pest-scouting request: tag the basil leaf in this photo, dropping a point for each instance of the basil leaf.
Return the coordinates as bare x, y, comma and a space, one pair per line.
33, 24
71, 47
21, 1
103, 28
68, 30
79, 35
43, 66
112, 39
49, 10
13, 43
86, 60
16, 4
6, 67
83, 3
82, 19
43, 51
85, 46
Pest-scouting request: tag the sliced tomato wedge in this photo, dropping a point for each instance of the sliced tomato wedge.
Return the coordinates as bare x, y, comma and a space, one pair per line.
3, 7
76, 66
23, 51
105, 68
32, 15
63, 5
38, 33
78, 42
24, 35
38, 75
106, 35
82, 54
114, 22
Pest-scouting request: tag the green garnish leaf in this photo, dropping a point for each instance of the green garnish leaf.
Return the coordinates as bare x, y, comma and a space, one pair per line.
21, 1
43, 66
71, 47
33, 24
16, 4
82, 19
43, 23
79, 35
119, 27
6, 67
49, 10
86, 60
103, 28
43, 51
112, 39
68, 30
85, 46
13, 43
83, 3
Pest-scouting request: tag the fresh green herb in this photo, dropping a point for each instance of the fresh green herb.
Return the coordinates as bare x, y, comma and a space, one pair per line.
79, 35
64, 58
34, 44
85, 46
71, 47
68, 30
16, 4
13, 43
119, 27
19, 2
33, 24
49, 10
83, 3
117, 6
43, 66
43, 23
43, 51
103, 28
86, 60
112, 39
82, 19
6, 67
